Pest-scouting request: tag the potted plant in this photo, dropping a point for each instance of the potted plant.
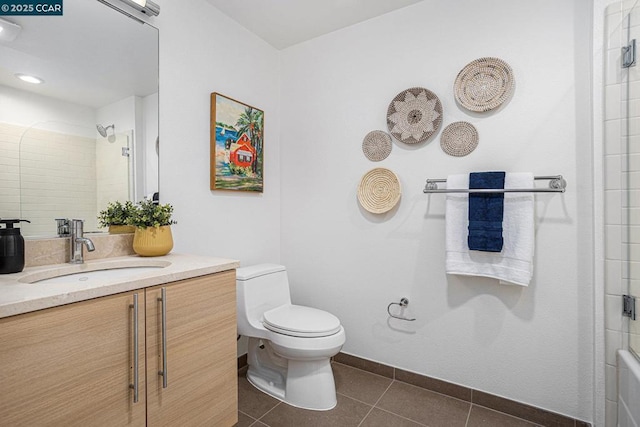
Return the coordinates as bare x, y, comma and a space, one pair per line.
152, 224
116, 216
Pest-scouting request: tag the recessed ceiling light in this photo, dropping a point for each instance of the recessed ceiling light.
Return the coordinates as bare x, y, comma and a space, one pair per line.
30, 79
8, 30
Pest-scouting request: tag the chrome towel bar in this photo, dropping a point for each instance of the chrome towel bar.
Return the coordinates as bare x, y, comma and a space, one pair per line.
557, 184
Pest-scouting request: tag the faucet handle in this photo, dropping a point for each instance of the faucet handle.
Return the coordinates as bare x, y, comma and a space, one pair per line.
63, 227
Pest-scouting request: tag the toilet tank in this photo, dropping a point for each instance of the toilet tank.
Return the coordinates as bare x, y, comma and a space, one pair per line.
259, 288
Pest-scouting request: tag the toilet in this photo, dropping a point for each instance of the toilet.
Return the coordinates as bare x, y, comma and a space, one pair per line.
290, 346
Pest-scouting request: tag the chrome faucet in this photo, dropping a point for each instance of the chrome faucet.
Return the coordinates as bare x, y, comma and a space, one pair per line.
78, 240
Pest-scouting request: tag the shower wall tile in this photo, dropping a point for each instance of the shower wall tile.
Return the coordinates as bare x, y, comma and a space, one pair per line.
33, 194
613, 171
612, 137
632, 236
613, 71
611, 384
613, 28
613, 248
634, 91
631, 199
611, 413
10, 170
630, 163
613, 201
613, 310
613, 342
612, 102
629, 127
613, 278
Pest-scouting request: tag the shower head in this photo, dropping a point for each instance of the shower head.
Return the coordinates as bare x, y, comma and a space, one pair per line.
103, 130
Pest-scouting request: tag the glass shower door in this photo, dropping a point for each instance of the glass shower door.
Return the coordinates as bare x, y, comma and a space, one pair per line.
631, 178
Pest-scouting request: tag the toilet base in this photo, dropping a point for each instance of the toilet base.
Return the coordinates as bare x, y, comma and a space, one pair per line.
307, 384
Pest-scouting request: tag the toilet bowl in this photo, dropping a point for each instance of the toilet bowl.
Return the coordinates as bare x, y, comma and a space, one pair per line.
290, 346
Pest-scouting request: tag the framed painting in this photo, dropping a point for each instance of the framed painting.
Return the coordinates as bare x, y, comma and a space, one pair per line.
236, 146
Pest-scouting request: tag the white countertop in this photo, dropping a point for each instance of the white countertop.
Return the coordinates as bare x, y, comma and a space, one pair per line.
17, 296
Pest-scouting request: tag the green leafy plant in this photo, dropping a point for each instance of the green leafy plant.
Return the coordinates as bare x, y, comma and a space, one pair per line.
116, 213
148, 214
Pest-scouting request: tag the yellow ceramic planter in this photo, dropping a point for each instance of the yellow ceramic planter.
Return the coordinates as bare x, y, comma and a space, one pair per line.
152, 241
121, 229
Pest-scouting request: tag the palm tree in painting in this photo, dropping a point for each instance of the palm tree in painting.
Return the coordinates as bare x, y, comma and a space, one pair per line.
251, 122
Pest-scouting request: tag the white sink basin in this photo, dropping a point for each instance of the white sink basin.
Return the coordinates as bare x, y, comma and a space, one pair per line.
113, 273
96, 272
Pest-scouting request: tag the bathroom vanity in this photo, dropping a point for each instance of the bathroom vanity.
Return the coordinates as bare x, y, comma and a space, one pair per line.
156, 346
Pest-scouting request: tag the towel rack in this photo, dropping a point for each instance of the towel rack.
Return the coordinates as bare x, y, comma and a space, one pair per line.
557, 184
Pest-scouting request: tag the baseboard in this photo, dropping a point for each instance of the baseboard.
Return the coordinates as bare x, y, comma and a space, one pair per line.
497, 403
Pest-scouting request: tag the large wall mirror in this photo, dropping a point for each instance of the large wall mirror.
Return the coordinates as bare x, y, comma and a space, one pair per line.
86, 135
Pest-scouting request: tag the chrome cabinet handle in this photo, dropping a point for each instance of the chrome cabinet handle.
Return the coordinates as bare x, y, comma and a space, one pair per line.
163, 372
136, 337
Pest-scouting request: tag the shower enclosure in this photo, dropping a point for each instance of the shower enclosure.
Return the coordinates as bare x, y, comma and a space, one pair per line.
630, 178
71, 171
622, 213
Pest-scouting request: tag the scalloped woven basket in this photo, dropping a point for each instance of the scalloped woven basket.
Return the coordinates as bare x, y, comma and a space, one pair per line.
414, 115
484, 84
459, 139
379, 190
376, 145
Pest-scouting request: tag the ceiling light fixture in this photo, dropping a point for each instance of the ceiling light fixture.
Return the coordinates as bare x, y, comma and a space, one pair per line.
30, 79
145, 6
8, 30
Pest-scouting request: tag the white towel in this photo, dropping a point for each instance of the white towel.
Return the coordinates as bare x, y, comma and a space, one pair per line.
514, 264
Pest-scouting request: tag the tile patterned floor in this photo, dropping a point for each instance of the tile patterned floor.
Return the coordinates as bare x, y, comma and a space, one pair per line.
369, 400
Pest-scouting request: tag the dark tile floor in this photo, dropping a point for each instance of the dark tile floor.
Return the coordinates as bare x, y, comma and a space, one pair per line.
369, 400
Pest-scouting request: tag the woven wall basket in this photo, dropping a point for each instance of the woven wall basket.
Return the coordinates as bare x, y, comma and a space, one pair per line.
376, 145
459, 139
484, 84
379, 190
414, 115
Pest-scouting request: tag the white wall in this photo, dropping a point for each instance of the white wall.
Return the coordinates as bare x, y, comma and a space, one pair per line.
202, 51
23, 108
533, 345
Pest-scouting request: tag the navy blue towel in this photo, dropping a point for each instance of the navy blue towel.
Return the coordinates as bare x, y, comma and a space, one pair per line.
485, 212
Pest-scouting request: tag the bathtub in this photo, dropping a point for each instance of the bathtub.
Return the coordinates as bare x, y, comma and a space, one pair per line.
628, 390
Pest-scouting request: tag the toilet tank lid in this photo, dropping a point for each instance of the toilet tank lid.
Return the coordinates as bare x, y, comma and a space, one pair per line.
252, 271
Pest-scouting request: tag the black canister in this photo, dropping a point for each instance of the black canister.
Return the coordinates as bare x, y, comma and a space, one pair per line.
11, 247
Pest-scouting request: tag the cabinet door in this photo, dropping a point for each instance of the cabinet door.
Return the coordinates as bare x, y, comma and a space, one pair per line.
201, 374
72, 365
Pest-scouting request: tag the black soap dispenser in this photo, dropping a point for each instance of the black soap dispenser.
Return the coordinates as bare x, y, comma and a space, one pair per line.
11, 247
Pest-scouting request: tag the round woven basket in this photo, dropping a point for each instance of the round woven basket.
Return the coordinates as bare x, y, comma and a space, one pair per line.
414, 115
376, 145
459, 139
484, 84
379, 190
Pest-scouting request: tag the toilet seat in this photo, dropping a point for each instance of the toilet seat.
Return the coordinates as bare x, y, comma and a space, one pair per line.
301, 321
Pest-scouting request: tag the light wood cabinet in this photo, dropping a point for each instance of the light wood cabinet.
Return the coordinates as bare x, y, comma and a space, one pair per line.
74, 365
202, 382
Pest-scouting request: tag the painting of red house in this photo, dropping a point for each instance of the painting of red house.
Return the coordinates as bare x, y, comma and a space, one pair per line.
236, 145
242, 152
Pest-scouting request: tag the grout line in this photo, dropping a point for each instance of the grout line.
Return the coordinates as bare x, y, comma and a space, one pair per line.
377, 401
263, 415
466, 423
400, 416
244, 413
